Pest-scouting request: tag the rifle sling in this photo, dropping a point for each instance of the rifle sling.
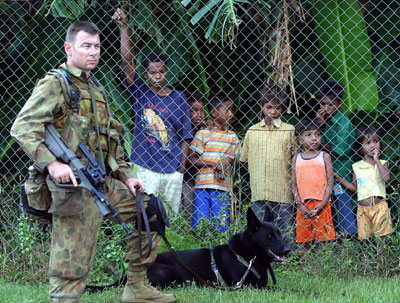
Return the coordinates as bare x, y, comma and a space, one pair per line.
94, 109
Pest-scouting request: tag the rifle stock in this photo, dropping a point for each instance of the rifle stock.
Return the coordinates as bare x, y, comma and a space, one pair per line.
90, 177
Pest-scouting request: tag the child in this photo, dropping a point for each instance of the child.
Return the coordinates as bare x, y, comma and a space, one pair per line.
162, 123
196, 103
214, 152
338, 139
369, 181
268, 149
312, 183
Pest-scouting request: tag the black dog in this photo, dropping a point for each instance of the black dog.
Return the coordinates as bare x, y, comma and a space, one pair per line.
260, 239
230, 261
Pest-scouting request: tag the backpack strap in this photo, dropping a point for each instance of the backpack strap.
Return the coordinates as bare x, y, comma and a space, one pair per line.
71, 95
99, 86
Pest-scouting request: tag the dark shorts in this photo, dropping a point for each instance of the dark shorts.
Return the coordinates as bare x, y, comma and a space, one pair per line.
344, 218
283, 215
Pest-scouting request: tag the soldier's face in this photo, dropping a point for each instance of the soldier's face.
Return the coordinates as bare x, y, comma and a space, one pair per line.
83, 52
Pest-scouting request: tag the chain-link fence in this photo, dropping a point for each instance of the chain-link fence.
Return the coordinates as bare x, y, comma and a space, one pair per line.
236, 47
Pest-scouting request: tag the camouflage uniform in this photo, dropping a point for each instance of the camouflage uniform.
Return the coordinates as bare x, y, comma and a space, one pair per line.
74, 237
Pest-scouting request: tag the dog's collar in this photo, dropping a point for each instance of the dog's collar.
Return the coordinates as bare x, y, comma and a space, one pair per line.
246, 264
220, 280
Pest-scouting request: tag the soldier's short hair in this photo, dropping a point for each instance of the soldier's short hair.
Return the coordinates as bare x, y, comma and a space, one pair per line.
76, 27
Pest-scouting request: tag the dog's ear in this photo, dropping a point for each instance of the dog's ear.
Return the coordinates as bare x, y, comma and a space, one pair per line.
268, 214
252, 221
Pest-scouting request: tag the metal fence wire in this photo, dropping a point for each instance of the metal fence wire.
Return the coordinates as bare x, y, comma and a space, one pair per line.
239, 48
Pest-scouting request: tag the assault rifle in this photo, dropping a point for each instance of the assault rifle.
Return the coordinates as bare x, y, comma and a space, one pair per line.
90, 177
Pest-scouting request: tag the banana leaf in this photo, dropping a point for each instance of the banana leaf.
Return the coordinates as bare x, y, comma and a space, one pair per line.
5, 145
120, 103
200, 77
47, 55
176, 45
70, 9
388, 75
143, 18
383, 19
310, 73
344, 42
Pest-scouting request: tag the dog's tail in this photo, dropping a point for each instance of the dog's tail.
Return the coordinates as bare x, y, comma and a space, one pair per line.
117, 283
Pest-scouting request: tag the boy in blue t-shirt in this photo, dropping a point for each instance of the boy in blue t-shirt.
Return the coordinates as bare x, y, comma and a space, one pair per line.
162, 123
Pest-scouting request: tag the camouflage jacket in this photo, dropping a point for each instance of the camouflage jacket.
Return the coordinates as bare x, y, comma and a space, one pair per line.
47, 105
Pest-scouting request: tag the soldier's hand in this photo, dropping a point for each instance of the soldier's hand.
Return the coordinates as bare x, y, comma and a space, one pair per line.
120, 17
62, 173
132, 183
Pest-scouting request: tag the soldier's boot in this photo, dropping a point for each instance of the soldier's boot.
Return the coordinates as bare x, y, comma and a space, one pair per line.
139, 290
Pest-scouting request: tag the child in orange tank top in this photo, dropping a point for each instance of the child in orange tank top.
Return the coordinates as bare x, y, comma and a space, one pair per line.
312, 183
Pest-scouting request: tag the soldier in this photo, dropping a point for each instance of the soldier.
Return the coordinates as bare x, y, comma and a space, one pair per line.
75, 227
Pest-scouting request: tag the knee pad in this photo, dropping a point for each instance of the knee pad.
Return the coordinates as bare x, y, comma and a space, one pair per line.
156, 207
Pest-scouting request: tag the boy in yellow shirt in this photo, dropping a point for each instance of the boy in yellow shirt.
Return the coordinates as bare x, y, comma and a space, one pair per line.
268, 149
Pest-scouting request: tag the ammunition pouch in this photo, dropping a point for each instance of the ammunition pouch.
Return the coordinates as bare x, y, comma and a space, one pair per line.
76, 130
35, 198
66, 200
113, 143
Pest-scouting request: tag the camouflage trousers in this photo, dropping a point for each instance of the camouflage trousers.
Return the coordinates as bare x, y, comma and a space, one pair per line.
74, 240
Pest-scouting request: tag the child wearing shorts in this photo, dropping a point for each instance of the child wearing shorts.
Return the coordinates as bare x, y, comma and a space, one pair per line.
369, 181
312, 184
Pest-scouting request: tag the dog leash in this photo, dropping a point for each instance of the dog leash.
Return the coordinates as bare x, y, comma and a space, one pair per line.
198, 278
246, 264
139, 213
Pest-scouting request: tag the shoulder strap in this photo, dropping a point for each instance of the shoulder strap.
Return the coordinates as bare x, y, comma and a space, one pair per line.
102, 92
71, 95
99, 86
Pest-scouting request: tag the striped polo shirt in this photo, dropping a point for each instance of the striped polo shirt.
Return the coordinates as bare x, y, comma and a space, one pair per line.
214, 145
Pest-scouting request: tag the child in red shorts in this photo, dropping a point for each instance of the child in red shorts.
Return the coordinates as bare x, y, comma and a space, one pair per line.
312, 183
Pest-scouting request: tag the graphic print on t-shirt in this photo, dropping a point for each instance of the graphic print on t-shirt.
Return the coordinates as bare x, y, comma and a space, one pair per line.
154, 127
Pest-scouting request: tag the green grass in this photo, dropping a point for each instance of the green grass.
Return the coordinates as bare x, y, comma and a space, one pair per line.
296, 287
339, 271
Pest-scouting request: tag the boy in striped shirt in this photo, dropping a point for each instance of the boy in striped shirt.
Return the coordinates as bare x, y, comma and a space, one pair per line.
214, 151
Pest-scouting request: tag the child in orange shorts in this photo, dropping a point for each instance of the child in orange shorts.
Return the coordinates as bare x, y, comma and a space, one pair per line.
312, 184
